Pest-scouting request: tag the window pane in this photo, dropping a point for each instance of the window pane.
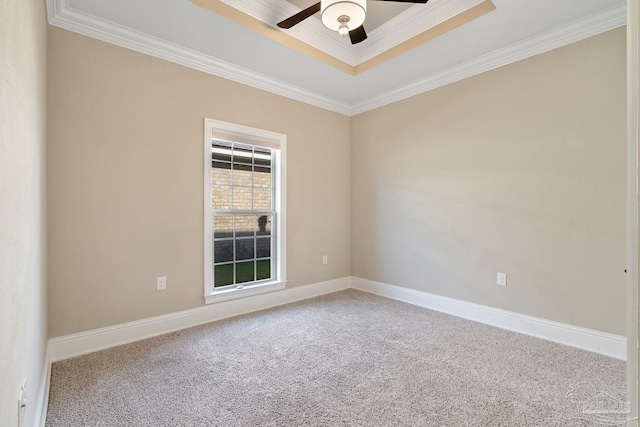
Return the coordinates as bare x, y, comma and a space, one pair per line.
262, 178
245, 249
223, 275
242, 198
221, 174
262, 152
223, 251
242, 153
221, 197
241, 182
245, 225
244, 272
222, 226
221, 151
262, 157
263, 247
263, 269
242, 176
262, 199
264, 225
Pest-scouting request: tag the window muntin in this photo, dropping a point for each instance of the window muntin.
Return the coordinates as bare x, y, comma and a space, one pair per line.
245, 215
242, 212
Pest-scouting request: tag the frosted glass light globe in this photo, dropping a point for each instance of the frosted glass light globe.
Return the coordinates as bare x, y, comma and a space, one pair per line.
333, 10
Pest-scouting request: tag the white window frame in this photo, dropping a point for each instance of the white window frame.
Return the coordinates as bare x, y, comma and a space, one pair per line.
259, 137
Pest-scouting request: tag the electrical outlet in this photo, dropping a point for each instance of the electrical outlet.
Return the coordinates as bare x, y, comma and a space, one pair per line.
161, 283
325, 259
502, 279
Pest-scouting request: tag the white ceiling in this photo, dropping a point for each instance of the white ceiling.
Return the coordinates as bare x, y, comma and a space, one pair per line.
182, 32
378, 12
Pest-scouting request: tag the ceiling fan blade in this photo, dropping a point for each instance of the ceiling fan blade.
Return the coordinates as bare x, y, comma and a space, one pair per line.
300, 16
358, 35
406, 1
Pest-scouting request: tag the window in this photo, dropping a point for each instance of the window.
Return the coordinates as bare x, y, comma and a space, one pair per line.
244, 211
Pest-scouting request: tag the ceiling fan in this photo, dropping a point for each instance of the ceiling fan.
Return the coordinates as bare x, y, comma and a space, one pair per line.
343, 16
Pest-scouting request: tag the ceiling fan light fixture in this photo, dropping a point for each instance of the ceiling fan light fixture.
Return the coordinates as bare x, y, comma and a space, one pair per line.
343, 15
343, 29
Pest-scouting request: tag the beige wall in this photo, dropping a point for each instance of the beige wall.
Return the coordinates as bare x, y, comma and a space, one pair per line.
519, 170
126, 185
22, 200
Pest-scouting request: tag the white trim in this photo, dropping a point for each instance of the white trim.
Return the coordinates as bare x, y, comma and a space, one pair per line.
309, 31
42, 402
402, 27
73, 345
632, 209
209, 125
259, 137
408, 24
229, 294
60, 14
281, 203
595, 24
587, 339
220, 129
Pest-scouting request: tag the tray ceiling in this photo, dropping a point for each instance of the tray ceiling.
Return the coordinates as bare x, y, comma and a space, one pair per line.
403, 56
397, 28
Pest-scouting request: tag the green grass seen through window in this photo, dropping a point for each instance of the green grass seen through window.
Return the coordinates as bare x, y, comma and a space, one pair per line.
244, 272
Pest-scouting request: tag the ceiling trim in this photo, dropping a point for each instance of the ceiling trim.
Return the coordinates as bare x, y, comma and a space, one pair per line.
400, 34
402, 27
61, 15
309, 31
411, 23
256, 25
592, 25
437, 30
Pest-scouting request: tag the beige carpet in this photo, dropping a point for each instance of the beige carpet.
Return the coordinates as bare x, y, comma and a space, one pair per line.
345, 359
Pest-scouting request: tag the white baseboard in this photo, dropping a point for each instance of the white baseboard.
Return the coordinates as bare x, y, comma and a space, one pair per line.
69, 346
587, 339
42, 400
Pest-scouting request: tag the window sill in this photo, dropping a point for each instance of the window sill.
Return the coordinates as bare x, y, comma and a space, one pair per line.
234, 293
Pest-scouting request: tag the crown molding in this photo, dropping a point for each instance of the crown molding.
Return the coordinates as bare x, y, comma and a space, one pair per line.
61, 15
400, 28
592, 25
309, 31
408, 24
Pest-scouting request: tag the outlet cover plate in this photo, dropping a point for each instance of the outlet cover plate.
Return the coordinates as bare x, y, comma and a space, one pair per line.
502, 279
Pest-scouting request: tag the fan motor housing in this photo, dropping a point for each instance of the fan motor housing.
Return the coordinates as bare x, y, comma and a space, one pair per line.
333, 10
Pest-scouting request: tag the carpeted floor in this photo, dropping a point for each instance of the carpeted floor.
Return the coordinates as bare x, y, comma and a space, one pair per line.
344, 359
